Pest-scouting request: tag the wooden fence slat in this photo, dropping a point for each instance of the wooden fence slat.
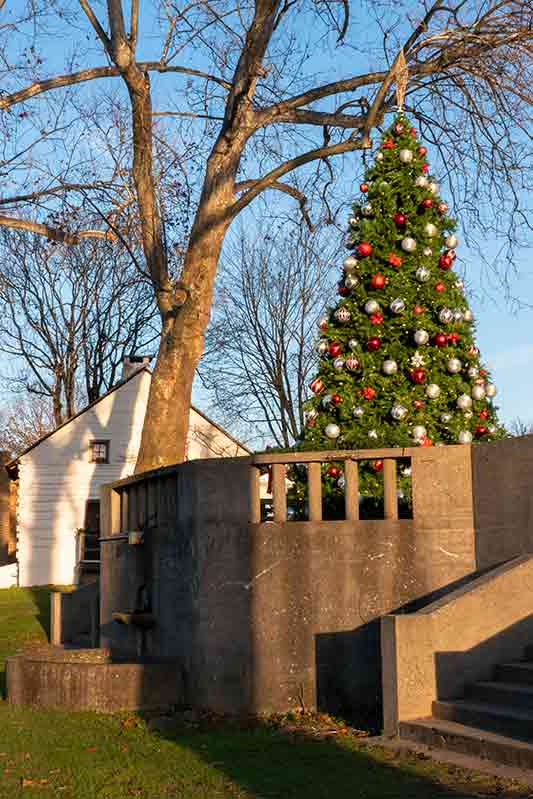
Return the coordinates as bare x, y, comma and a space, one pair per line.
279, 492
351, 490
390, 496
334, 455
314, 488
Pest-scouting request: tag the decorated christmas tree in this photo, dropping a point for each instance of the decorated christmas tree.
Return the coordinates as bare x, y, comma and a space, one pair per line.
399, 366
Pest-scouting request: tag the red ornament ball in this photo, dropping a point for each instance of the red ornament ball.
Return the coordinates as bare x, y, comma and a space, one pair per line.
364, 187
369, 393
388, 144
373, 344
482, 372
398, 128
440, 287
418, 404
453, 338
333, 471
376, 318
413, 131
316, 385
323, 324
445, 262
426, 442
336, 399
427, 202
334, 349
484, 414
480, 430
440, 340
425, 167
343, 290
418, 376
400, 219
365, 248
422, 151
378, 281
377, 466
418, 310
395, 260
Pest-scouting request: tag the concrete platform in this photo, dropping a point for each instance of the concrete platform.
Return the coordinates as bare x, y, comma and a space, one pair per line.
90, 679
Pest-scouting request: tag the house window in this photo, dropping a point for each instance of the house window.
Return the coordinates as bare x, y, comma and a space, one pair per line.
99, 451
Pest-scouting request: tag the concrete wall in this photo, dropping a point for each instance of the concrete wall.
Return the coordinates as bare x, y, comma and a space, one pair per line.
435, 652
502, 474
269, 616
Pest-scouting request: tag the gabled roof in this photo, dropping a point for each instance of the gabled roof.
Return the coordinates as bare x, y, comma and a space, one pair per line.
12, 464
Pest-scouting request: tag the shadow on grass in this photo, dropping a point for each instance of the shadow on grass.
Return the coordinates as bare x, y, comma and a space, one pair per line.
42, 602
271, 763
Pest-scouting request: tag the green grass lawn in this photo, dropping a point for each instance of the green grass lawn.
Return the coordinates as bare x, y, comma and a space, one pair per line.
90, 756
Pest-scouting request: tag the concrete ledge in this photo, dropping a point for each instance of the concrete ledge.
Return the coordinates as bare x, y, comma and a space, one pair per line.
436, 652
89, 680
74, 614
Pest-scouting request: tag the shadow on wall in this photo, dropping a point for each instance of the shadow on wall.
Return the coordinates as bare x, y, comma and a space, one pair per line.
456, 670
57, 478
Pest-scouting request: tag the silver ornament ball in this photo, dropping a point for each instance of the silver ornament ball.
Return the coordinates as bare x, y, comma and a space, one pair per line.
353, 344
379, 157
366, 210
465, 437
468, 316
397, 306
358, 412
454, 365
350, 263
433, 187
464, 402
451, 241
408, 244
350, 281
430, 230
432, 391
398, 412
332, 430
371, 306
421, 337
445, 316
421, 181
446, 417
490, 390
372, 433
406, 156
459, 285
427, 251
389, 367
419, 432
326, 400
422, 274
473, 372
322, 346
478, 392
338, 364
342, 314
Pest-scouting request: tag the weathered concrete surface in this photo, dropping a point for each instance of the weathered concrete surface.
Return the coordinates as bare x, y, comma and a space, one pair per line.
89, 680
503, 499
269, 616
74, 614
435, 652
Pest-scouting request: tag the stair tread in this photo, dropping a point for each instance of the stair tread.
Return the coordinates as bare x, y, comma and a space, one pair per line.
527, 665
518, 687
442, 726
505, 711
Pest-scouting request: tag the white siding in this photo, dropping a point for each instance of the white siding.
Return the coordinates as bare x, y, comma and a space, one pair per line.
56, 478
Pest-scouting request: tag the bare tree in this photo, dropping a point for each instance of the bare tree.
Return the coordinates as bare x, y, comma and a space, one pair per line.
260, 344
23, 421
70, 315
519, 427
267, 115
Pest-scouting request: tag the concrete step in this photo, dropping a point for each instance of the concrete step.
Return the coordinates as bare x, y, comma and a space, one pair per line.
501, 693
515, 673
502, 719
454, 737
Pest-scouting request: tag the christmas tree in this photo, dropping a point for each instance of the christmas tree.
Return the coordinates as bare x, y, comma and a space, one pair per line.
399, 366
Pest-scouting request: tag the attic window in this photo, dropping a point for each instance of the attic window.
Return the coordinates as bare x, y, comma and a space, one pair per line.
99, 451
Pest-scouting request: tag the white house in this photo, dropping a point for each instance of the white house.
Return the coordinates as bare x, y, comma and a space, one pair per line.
60, 475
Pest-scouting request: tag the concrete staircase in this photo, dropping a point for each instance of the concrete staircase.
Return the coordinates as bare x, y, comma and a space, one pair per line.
494, 720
